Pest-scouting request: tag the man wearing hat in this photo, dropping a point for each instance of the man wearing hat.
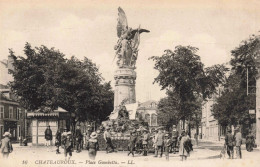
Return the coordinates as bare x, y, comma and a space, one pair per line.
159, 143
92, 146
138, 142
58, 141
145, 142
68, 145
229, 141
238, 143
175, 135
6, 145
250, 141
78, 138
107, 137
167, 144
63, 137
132, 141
154, 139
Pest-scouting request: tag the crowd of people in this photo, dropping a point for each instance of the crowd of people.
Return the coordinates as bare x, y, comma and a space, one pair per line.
162, 143
139, 142
69, 142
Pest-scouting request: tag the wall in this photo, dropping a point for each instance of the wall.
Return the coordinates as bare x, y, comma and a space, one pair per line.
38, 127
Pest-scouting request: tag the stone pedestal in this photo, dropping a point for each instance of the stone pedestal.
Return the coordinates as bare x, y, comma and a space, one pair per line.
124, 86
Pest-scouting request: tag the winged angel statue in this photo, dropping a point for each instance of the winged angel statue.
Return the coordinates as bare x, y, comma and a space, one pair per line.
128, 42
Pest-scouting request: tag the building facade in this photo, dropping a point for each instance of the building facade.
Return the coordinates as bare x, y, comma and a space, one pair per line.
148, 111
12, 116
210, 128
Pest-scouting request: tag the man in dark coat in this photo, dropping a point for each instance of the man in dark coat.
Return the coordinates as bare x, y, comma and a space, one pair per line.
48, 136
58, 141
68, 145
78, 138
229, 141
138, 141
167, 144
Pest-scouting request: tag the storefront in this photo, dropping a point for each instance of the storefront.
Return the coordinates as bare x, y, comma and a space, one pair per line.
11, 126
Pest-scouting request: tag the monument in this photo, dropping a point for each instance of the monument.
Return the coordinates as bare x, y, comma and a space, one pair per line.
126, 53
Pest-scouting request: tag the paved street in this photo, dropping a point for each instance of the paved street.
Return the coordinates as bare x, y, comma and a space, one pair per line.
207, 154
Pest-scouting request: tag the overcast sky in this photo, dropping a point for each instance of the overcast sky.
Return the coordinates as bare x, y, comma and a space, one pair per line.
88, 28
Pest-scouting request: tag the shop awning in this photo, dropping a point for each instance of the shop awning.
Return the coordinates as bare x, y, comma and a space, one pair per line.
39, 114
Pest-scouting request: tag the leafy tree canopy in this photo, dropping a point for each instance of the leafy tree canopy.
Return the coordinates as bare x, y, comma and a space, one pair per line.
232, 106
44, 78
185, 79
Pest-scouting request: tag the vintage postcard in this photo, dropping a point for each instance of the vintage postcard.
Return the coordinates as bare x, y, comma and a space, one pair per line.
129, 83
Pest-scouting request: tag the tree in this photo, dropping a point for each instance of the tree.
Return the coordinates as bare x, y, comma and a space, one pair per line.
244, 57
44, 78
167, 112
182, 74
232, 106
35, 76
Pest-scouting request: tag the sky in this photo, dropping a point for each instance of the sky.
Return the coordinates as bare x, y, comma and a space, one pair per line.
87, 28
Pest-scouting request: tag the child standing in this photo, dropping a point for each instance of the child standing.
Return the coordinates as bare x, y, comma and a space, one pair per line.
167, 145
68, 146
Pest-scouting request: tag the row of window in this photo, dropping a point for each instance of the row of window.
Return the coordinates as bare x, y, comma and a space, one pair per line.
11, 113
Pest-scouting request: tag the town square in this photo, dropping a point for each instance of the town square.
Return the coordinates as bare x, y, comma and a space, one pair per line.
120, 83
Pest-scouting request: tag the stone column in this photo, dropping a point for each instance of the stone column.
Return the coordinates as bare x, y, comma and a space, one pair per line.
124, 86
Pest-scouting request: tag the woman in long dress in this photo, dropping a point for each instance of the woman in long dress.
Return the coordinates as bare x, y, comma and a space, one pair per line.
183, 152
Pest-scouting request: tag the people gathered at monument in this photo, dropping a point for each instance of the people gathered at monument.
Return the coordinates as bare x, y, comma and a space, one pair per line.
138, 140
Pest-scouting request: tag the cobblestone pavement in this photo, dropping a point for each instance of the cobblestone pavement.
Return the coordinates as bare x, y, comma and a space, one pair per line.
206, 154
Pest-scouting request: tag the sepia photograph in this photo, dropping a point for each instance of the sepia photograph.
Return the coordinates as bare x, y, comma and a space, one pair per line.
129, 83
